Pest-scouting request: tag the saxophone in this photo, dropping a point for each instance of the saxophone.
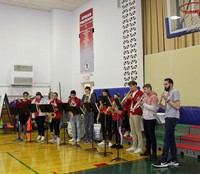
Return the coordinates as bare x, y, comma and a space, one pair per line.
52, 115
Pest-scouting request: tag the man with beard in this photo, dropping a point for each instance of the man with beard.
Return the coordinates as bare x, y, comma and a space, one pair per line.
171, 107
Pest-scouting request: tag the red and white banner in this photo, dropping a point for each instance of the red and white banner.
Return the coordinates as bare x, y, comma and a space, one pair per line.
86, 42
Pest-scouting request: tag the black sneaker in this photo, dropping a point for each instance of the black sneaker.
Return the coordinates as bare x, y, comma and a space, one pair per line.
114, 146
145, 154
173, 163
160, 164
120, 146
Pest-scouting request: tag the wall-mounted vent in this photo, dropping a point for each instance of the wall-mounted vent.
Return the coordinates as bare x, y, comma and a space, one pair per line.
22, 75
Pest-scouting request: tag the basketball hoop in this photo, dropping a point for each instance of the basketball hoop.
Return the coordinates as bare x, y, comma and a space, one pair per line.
191, 18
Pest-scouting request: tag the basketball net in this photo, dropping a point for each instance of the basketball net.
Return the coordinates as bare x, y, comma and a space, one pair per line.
191, 19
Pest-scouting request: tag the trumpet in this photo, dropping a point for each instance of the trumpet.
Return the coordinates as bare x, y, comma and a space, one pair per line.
138, 103
126, 96
158, 105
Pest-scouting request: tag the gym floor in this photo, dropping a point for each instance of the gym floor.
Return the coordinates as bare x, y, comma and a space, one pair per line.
36, 158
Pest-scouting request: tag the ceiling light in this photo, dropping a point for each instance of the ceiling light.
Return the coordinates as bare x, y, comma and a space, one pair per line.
175, 17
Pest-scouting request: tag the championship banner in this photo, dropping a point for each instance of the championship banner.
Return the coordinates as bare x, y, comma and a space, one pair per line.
86, 42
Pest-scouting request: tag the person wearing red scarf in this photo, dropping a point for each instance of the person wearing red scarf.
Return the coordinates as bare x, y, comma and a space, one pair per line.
39, 116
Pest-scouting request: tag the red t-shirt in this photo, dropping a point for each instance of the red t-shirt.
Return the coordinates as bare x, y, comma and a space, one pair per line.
133, 101
76, 100
106, 107
117, 116
57, 112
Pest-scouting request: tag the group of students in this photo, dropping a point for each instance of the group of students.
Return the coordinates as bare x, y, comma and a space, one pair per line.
140, 106
39, 116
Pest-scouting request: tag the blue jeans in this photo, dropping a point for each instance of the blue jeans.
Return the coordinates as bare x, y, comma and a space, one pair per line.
75, 122
89, 125
169, 140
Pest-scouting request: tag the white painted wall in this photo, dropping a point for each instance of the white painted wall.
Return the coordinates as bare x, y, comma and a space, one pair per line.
24, 39
61, 52
108, 57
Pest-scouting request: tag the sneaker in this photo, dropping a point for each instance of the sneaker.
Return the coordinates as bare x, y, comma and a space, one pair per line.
39, 137
19, 139
126, 134
78, 140
119, 146
102, 143
114, 146
160, 164
173, 163
145, 154
131, 149
72, 140
109, 144
138, 150
42, 138
25, 137
58, 141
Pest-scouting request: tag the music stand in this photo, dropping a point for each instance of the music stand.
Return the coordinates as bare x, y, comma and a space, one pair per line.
63, 108
106, 102
120, 107
32, 108
76, 111
48, 108
92, 107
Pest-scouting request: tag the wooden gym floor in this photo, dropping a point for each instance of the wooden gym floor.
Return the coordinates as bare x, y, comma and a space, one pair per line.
37, 158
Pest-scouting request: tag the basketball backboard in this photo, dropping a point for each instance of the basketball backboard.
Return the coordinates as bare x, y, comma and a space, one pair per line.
183, 17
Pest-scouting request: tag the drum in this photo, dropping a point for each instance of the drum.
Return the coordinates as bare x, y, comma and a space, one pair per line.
97, 132
69, 129
160, 118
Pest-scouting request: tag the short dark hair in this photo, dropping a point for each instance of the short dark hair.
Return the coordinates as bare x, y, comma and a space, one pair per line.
132, 83
25, 93
73, 92
88, 88
147, 85
169, 80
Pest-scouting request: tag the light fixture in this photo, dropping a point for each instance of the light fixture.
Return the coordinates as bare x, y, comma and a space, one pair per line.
175, 17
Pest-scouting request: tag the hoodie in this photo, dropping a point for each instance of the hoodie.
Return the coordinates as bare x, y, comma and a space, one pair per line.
150, 105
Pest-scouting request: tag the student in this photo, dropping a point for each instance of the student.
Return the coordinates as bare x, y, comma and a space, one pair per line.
39, 116
89, 116
105, 113
23, 118
75, 119
117, 116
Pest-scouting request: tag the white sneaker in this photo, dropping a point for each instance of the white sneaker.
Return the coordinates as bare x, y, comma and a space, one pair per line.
58, 141
131, 149
126, 134
72, 140
102, 143
39, 137
78, 140
138, 150
109, 144
42, 138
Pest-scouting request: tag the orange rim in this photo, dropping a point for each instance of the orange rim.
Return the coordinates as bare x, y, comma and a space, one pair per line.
189, 11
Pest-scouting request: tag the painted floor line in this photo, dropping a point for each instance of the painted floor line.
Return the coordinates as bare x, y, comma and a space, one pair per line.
22, 163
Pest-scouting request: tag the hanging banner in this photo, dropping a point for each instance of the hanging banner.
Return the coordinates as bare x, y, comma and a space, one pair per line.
86, 42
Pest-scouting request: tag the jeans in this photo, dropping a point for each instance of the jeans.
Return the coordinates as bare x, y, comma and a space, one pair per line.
89, 125
75, 122
169, 139
149, 130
